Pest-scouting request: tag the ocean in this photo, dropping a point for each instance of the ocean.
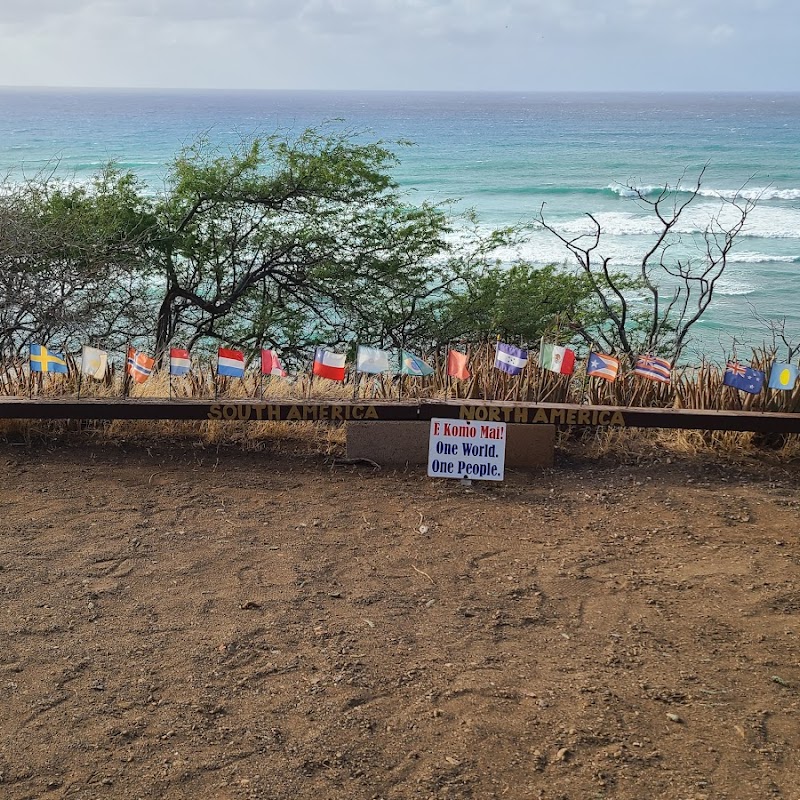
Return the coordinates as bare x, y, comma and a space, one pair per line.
503, 155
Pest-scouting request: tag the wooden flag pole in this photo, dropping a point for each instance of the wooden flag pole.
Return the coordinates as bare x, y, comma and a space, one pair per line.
400, 370
30, 374
215, 376
520, 377
125, 370
310, 379
447, 371
80, 377
586, 373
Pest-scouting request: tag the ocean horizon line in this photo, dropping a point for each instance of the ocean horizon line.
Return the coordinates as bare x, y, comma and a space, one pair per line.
673, 93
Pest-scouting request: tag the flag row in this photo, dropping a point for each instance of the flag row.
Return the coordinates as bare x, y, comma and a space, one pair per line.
562, 360
139, 365
370, 360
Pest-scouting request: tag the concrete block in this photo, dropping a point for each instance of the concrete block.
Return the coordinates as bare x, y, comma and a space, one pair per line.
401, 443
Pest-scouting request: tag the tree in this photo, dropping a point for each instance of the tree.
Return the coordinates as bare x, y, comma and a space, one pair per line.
655, 308
514, 302
304, 240
72, 260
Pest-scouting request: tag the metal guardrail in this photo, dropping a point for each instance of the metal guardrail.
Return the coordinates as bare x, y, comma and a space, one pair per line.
386, 411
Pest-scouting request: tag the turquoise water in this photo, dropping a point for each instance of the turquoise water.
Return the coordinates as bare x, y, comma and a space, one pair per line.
502, 154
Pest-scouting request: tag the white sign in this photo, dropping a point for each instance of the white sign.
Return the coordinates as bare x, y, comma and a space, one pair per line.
465, 449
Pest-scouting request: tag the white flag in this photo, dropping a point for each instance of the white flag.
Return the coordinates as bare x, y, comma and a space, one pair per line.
94, 362
372, 360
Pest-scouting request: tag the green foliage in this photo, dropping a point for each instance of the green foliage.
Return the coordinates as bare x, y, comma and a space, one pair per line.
520, 302
293, 242
71, 259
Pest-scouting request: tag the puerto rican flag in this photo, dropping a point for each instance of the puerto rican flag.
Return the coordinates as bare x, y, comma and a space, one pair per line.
602, 366
271, 364
139, 365
180, 362
230, 363
328, 365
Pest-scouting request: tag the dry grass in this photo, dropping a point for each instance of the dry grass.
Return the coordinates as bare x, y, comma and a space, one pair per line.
700, 388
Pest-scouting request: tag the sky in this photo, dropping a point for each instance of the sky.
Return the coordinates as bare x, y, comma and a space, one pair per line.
478, 45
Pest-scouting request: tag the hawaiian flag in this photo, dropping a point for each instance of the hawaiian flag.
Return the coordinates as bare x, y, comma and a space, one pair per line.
271, 364
457, 365
653, 368
180, 362
744, 378
139, 365
602, 366
510, 359
230, 363
329, 365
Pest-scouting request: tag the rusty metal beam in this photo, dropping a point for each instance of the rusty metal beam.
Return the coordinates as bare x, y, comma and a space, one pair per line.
377, 411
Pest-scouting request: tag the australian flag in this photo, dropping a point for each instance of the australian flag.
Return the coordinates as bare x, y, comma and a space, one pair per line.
745, 378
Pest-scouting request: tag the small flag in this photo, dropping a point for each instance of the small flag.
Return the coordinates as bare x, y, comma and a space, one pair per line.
230, 363
44, 361
372, 360
510, 359
783, 376
602, 366
414, 365
457, 365
271, 364
557, 359
329, 365
653, 368
745, 378
180, 362
139, 365
94, 362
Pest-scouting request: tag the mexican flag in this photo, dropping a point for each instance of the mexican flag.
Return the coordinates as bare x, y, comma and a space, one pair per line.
557, 359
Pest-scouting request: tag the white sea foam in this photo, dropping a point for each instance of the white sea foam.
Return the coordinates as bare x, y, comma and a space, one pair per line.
761, 258
730, 287
762, 223
626, 250
745, 193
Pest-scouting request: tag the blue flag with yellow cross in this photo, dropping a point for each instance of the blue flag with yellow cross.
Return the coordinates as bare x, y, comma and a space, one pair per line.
42, 360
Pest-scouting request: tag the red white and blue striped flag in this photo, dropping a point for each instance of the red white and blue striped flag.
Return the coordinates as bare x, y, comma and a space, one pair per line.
180, 362
230, 363
653, 368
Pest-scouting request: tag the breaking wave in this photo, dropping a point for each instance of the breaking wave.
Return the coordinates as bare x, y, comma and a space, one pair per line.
746, 193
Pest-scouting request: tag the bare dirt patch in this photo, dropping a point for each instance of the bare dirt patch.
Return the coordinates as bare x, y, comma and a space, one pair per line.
184, 622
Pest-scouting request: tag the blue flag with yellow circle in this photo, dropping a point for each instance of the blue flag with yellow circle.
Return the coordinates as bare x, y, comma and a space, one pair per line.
783, 376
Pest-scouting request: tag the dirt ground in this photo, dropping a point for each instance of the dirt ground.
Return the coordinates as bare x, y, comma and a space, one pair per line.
187, 622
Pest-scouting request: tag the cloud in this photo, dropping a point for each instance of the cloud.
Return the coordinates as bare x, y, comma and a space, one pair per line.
721, 33
482, 44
